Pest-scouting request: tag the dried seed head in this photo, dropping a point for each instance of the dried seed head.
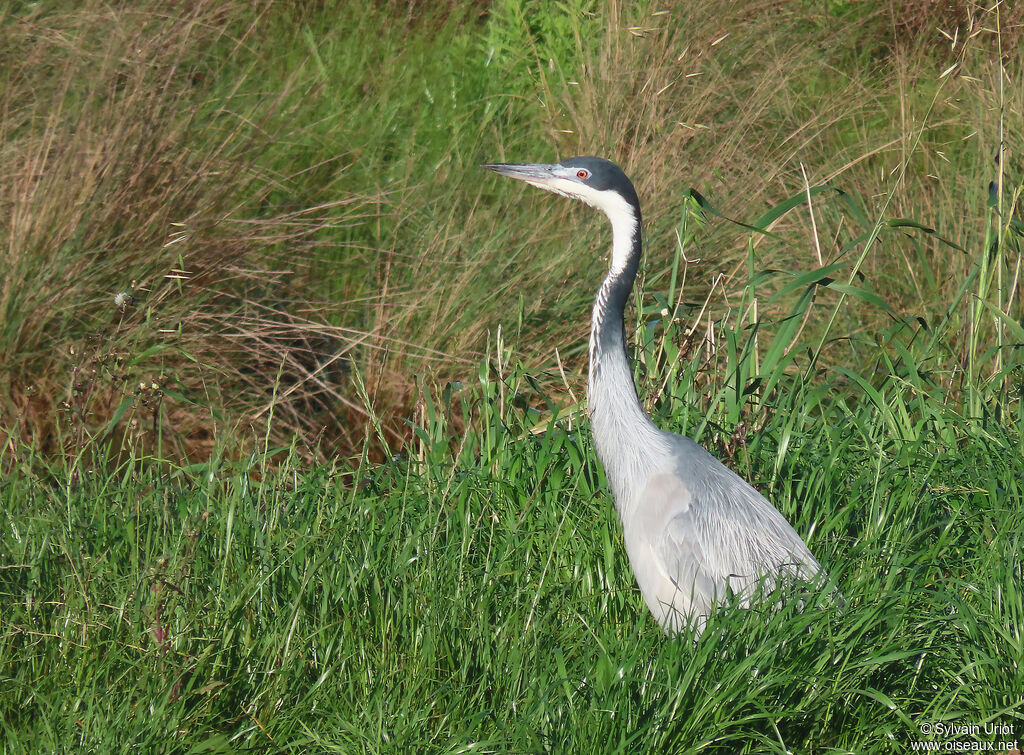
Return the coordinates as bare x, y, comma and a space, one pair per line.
123, 300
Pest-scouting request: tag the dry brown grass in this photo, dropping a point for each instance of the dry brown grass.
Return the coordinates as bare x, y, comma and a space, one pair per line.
128, 165
752, 103
118, 177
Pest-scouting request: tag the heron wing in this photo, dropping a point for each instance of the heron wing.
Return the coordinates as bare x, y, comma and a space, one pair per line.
710, 533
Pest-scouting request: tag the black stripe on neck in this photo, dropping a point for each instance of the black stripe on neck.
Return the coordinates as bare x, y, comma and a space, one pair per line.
611, 327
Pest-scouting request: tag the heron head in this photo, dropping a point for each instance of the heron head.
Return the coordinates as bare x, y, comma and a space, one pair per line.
594, 180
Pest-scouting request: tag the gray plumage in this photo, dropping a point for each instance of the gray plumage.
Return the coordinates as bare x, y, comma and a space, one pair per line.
694, 530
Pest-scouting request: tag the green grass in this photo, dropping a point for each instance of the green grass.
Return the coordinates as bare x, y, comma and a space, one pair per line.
472, 593
485, 603
328, 484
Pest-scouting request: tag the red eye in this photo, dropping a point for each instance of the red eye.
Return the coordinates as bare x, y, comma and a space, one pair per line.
583, 173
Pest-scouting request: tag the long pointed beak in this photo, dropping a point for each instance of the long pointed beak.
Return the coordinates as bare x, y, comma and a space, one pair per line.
532, 173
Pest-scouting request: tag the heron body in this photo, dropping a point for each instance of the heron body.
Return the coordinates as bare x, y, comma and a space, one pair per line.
694, 530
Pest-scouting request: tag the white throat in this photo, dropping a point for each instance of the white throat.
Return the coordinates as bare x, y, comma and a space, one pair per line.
611, 203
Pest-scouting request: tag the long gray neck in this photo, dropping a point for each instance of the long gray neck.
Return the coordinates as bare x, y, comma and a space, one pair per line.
621, 427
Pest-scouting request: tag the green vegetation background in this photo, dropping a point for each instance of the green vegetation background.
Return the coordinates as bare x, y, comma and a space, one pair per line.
294, 454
